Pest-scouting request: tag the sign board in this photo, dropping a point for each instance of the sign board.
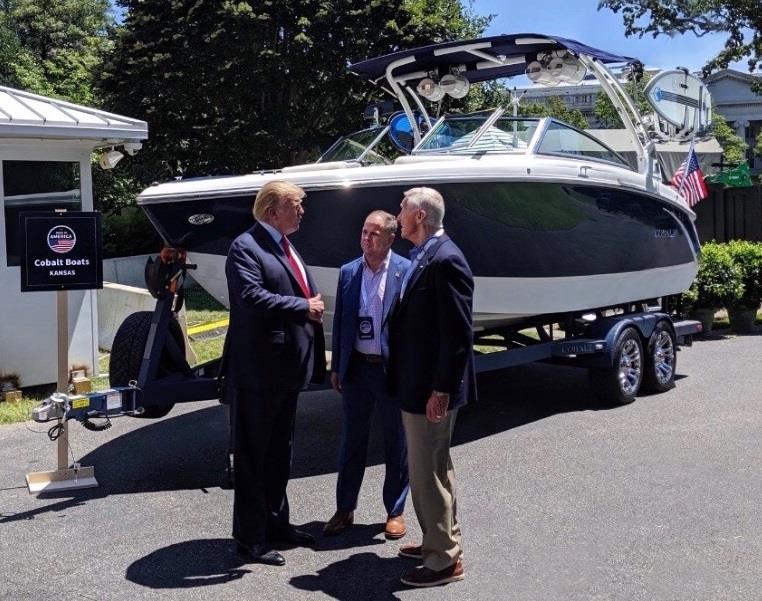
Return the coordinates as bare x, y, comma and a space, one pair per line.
61, 251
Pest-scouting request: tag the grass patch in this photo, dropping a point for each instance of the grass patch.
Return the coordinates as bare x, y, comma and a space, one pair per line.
201, 307
18, 412
208, 348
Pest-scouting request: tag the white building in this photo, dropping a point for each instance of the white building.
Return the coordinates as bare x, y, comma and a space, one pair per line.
45, 160
742, 108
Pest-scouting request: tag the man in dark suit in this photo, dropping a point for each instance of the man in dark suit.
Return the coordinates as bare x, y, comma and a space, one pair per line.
275, 348
367, 287
432, 373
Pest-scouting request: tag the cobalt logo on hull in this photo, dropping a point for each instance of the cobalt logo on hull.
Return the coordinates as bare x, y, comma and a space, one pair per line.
61, 239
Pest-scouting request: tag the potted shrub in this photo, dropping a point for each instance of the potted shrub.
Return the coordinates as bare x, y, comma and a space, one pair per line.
718, 284
747, 256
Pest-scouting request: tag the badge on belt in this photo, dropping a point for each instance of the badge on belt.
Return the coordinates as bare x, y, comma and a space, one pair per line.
365, 327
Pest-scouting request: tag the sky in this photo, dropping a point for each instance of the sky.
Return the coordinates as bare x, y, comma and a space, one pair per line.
580, 20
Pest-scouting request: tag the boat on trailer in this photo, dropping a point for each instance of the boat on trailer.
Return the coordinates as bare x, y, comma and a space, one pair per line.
551, 220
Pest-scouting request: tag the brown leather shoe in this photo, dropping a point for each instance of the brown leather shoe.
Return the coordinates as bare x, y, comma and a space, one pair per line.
340, 521
395, 527
412, 551
421, 577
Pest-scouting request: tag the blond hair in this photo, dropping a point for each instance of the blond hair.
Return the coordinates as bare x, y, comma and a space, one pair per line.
271, 194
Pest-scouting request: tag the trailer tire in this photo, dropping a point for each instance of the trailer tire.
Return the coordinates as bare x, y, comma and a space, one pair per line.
619, 385
661, 359
127, 355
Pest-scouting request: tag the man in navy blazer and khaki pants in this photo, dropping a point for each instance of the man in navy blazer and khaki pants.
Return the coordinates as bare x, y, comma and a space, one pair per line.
432, 373
366, 290
275, 347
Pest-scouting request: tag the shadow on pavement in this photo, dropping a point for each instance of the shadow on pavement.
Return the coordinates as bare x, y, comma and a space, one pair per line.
191, 564
362, 576
188, 451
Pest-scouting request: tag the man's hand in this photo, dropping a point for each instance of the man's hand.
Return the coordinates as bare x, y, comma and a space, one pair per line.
335, 381
436, 406
316, 308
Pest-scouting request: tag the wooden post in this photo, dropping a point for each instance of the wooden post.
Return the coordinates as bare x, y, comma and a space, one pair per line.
65, 477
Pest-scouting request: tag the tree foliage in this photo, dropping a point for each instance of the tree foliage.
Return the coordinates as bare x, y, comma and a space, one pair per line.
607, 114
741, 20
733, 147
557, 108
53, 47
234, 86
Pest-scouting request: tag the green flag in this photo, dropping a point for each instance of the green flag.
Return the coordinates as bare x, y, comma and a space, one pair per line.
737, 177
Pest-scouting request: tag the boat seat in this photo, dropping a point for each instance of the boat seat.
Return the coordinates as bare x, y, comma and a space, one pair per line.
321, 166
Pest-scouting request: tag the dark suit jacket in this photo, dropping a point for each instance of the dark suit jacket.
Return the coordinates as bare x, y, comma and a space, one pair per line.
271, 343
348, 304
431, 335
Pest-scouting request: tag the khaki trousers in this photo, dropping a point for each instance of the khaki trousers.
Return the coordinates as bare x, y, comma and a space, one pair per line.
432, 487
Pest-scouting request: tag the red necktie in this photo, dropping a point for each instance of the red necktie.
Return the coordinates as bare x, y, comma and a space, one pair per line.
295, 267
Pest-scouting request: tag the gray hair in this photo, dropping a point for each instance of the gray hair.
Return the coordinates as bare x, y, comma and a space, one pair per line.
389, 221
431, 202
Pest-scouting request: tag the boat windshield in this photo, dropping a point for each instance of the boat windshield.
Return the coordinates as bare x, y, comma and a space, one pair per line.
562, 139
473, 134
370, 146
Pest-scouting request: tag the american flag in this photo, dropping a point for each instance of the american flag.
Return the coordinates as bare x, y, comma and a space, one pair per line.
689, 180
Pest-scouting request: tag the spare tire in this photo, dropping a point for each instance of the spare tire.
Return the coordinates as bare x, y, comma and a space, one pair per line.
127, 355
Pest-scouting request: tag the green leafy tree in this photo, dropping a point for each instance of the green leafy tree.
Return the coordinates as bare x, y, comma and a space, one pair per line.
557, 108
53, 47
494, 94
733, 147
607, 114
741, 20
235, 86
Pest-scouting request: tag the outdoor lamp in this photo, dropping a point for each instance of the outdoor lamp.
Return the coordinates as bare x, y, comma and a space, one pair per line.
132, 148
455, 85
430, 89
109, 159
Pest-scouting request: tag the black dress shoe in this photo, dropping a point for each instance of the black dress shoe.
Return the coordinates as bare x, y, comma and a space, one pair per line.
292, 536
260, 554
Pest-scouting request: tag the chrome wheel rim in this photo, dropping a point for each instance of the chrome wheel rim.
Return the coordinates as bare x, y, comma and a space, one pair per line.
630, 367
664, 357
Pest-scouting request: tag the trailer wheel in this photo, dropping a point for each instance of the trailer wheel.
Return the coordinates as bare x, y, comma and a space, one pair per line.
620, 384
127, 355
661, 359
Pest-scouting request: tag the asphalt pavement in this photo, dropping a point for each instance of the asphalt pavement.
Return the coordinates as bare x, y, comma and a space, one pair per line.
560, 498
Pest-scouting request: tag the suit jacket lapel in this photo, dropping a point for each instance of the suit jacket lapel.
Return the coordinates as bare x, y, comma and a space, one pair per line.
355, 281
263, 237
422, 264
393, 282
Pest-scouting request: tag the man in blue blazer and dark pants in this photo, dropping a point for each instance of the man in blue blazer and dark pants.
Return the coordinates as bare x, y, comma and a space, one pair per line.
366, 291
432, 374
275, 347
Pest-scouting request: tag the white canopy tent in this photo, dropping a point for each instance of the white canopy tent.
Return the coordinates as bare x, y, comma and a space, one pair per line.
45, 161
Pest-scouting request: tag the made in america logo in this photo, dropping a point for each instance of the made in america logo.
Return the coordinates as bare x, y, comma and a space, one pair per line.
61, 239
